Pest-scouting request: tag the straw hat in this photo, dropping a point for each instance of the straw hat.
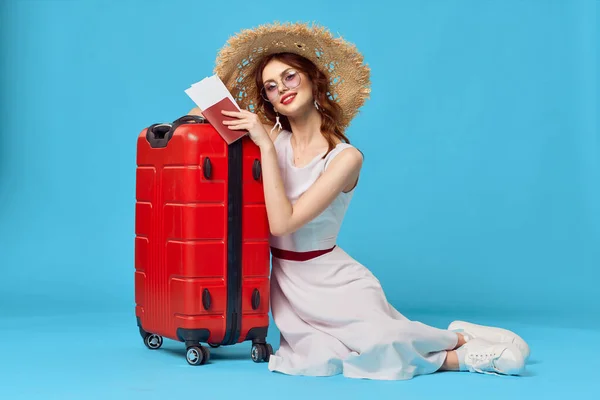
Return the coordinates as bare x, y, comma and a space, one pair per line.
349, 78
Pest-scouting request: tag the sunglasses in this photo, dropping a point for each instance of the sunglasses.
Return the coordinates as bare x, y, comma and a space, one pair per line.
270, 90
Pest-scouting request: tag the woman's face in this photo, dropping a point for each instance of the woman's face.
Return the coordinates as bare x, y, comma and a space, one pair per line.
289, 90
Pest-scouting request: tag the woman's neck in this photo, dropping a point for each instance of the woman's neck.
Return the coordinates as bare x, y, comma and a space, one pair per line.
307, 130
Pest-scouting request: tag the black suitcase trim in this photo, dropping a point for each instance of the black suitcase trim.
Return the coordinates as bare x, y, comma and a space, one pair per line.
234, 244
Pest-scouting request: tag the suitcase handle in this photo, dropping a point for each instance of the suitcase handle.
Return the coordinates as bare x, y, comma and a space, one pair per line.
256, 170
255, 299
206, 299
207, 168
189, 118
158, 135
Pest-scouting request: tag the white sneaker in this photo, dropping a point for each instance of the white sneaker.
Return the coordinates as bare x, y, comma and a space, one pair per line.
491, 358
491, 334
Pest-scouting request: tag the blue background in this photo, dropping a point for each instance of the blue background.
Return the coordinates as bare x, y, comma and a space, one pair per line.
480, 193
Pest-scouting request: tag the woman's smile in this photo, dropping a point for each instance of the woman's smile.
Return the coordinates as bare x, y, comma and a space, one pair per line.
287, 98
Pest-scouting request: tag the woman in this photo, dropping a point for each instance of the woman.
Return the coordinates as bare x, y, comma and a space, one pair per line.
332, 312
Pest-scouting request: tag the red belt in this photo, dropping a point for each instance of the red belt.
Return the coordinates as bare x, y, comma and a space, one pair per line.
298, 255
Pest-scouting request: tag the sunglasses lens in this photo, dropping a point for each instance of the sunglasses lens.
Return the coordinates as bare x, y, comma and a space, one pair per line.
270, 91
291, 79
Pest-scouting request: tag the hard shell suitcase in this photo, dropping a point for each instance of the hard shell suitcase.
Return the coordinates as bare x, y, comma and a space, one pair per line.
201, 240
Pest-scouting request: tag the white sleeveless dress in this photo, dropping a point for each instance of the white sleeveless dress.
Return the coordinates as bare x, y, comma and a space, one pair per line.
332, 313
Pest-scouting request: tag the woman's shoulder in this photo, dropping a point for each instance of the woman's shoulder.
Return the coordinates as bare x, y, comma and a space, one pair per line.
348, 152
347, 160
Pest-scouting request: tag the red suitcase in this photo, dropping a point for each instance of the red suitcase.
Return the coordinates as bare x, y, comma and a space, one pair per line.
201, 240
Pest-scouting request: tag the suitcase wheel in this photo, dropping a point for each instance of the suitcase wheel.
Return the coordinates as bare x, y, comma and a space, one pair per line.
197, 355
261, 352
214, 345
152, 341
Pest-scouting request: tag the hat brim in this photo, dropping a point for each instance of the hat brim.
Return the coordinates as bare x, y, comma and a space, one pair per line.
349, 77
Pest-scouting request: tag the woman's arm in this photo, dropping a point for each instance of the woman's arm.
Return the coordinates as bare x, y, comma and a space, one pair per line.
285, 218
195, 111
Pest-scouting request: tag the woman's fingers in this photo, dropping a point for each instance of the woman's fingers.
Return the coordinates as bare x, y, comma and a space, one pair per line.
238, 126
245, 120
235, 121
233, 113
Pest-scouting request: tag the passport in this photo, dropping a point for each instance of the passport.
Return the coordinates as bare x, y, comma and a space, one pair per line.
211, 96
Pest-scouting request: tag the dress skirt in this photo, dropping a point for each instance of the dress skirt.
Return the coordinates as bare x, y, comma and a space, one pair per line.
334, 318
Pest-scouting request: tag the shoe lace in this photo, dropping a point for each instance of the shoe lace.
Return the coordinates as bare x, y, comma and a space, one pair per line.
483, 362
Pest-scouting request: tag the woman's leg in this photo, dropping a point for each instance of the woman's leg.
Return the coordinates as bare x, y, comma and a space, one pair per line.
451, 362
461, 340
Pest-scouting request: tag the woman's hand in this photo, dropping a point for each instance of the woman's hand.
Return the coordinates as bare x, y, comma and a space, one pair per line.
249, 121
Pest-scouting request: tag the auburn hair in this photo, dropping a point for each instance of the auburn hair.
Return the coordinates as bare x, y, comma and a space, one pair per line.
330, 110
